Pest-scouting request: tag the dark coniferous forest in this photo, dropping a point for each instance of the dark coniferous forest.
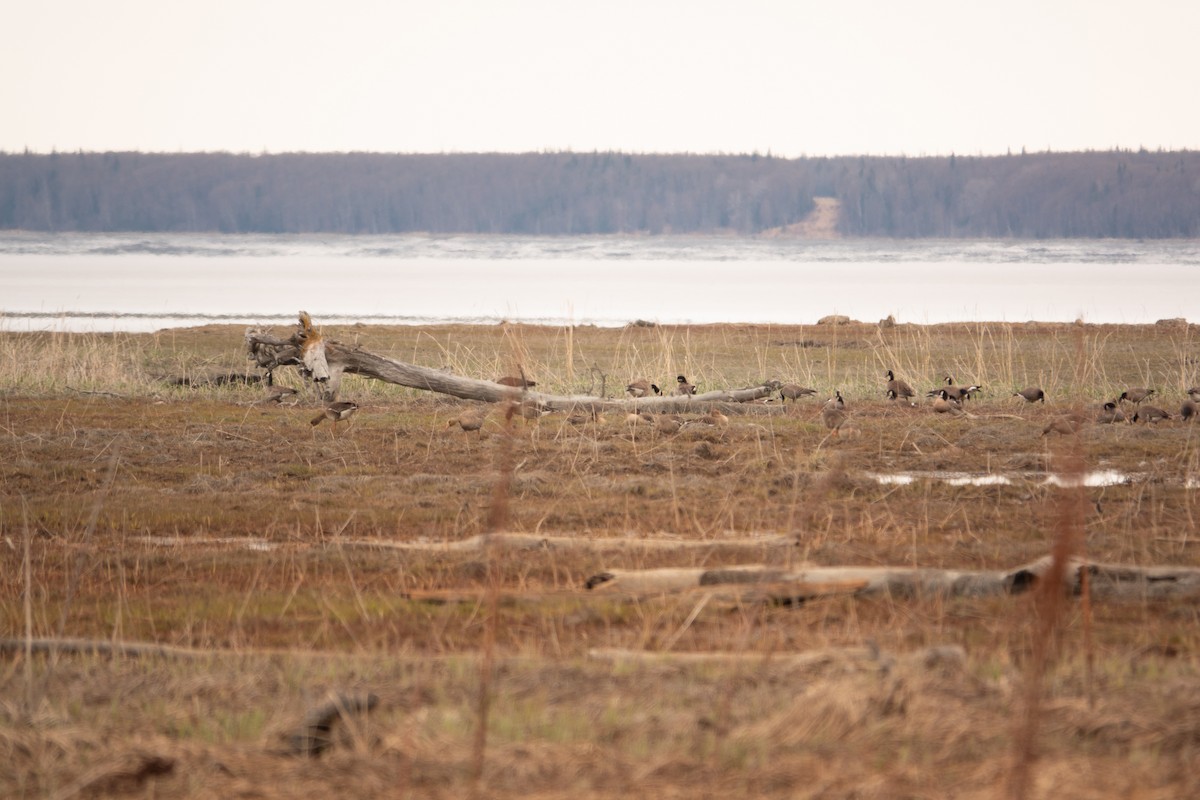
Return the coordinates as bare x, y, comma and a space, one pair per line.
1121, 193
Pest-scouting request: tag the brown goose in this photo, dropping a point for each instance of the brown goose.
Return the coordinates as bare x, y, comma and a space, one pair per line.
945, 404
668, 423
1148, 413
960, 393
470, 421
1135, 395
793, 392
898, 389
1064, 426
516, 382
714, 417
642, 388
1111, 414
833, 413
1032, 395
335, 412
683, 387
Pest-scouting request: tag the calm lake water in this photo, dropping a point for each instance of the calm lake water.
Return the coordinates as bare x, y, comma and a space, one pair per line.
138, 282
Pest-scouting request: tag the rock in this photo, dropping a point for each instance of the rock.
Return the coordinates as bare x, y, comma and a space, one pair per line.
834, 319
1173, 323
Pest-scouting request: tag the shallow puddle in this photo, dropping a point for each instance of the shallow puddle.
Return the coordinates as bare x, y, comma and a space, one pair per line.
1107, 477
257, 545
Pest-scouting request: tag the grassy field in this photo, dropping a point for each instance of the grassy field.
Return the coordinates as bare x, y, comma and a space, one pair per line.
280, 562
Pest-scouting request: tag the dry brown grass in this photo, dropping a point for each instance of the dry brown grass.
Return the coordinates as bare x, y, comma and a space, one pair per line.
204, 519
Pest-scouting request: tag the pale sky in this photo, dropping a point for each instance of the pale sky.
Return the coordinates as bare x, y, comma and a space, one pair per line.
793, 78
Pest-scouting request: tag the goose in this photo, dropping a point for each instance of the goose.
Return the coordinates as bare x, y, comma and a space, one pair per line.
960, 393
683, 387
1061, 425
833, 413
1148, 413
1135, 395
793, 392
898, 389
1032, 395
469, 421
642, 388
335, 412
1194, 394
668, 423
277, 394
945, 404
518, 383
1187, 411
714, 417
1110, 414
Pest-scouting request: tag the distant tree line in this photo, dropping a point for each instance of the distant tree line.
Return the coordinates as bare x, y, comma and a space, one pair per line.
1043, 195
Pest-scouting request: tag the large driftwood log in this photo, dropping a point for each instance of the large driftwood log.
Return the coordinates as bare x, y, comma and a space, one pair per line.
324, 362
1114, 581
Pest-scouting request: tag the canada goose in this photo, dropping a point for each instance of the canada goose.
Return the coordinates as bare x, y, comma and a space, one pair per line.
960, 393
668, 423
683, 387
1194, 394
518, 383
1061, 425
1187, 411
1110, 414
833, 413
587, 415
634, 418
1032, 395
1150, 414
945, 404
335, 412
793, 392
1135, 395
642, 388
898, 389
277, 394
526, 410
469, 421
714, 417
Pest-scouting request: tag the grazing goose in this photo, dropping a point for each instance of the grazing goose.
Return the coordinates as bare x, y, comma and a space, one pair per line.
833, 413
642, 388
277, 394
1111, 414
898, 389
683, 387
945, 404
1148, 413
714, 417
1032, 395
335, 412
960, 393
668, 423
518, 383
793, 392
1061, 425
469, 421
1187, 411
1135, 395
1194, 393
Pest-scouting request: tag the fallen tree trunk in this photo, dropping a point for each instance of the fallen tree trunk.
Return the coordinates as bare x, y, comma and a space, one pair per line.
325, 361
1110, 581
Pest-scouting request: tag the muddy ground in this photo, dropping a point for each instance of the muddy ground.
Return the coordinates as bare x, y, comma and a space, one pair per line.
282, 561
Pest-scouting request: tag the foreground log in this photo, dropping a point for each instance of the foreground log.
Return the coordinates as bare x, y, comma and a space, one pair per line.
325, 361
1110, 581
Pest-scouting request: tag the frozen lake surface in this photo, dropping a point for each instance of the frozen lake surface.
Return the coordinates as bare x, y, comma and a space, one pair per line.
138, 282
